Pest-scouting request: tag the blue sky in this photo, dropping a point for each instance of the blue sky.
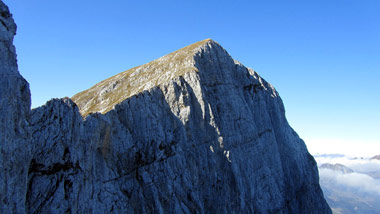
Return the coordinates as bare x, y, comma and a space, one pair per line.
323, 56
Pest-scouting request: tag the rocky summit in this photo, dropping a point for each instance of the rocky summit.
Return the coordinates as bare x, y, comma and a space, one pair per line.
191, 132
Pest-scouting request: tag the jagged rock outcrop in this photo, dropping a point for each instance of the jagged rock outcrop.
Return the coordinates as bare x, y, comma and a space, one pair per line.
14, 131
191, 132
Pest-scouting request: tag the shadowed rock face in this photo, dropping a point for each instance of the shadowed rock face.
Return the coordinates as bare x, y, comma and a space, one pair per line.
209, 136
14, 131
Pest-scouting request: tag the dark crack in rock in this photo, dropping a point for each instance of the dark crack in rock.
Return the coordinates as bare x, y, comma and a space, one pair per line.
191, 132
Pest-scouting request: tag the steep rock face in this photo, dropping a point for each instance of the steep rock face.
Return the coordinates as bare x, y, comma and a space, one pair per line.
211, 139
14, 111
198, 133
103, 96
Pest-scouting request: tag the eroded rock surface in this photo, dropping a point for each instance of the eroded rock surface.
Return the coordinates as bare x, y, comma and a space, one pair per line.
213, 139
14, 128
201, 134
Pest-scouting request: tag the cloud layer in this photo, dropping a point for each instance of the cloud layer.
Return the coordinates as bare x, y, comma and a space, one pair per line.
357, 182
357, 192
358, 164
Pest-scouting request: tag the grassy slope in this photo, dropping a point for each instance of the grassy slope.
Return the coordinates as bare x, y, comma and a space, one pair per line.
103, 96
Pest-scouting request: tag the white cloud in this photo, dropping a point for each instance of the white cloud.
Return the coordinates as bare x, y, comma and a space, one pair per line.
358, 164
353, 190
353, 181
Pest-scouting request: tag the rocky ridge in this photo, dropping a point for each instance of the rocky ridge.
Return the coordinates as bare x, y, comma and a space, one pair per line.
103, 96
206, 135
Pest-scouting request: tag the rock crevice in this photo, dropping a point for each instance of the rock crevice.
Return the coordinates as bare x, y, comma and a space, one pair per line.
191, 132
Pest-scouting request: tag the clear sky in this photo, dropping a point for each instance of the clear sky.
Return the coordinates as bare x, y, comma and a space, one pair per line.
323, 56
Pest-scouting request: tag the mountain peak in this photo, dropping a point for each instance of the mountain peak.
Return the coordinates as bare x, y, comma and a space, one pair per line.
337, 167
102, 97
204, 42
213, 140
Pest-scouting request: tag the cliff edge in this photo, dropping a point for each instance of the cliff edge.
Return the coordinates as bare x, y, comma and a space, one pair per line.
192, 132
14, 126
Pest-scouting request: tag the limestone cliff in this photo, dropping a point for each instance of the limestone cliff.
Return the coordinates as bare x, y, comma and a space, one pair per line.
191, 132
14, 130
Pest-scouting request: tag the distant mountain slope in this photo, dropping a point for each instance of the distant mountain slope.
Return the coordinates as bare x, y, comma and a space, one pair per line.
337, 167
374, 174
346, 199
348, 191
